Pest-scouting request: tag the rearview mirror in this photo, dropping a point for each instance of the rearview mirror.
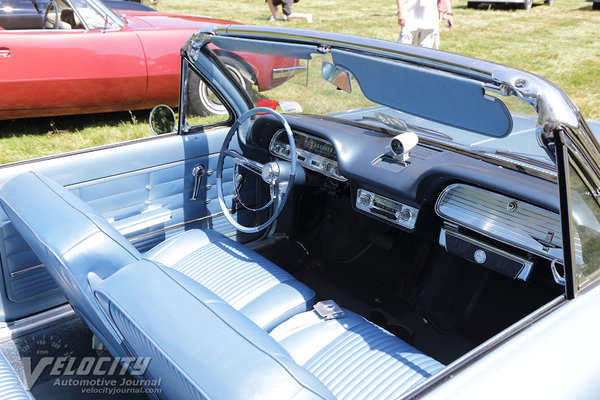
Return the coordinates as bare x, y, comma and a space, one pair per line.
162, 120
336, 75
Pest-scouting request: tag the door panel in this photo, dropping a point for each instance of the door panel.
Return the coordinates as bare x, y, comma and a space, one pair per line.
23, 273
145, 184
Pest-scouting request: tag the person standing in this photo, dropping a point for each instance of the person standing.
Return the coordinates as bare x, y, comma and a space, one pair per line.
420, 24
286, 7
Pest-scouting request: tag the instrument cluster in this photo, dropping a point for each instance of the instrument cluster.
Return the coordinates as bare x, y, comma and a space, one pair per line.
313, 153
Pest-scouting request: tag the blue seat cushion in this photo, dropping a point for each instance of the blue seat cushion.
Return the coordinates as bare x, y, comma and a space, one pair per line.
11, 387
354, 358
199, 346
250, 283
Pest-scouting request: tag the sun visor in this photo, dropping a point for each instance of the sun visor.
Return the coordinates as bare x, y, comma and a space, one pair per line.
438, 96
291, 50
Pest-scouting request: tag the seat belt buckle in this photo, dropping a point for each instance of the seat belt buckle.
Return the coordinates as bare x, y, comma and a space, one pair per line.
328, 309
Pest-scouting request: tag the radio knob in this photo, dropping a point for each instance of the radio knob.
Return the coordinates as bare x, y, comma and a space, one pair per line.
328, 167
406, 214
366, 200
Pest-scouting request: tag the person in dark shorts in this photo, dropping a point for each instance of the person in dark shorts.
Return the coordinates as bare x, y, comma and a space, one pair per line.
286, 7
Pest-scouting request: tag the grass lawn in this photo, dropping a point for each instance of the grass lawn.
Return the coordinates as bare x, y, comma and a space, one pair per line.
559, 42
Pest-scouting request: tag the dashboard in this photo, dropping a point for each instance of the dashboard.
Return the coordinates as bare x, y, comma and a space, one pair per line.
497, 217
313, 153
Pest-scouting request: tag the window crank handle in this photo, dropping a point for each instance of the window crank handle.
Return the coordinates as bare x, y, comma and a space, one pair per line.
197, 173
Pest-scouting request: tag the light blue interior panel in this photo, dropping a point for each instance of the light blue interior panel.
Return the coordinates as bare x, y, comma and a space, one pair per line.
126, 183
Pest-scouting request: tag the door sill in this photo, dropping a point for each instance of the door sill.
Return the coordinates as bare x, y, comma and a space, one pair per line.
24, 326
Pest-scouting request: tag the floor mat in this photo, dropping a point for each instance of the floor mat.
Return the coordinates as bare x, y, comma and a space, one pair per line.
451, 291
57, 361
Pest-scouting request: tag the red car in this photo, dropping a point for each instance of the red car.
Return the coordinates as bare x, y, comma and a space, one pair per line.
80, 56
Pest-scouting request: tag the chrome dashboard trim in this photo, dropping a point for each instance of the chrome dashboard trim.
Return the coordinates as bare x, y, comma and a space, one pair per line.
386, 209
522, 225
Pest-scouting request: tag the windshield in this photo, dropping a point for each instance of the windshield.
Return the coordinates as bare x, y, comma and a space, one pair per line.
300, 85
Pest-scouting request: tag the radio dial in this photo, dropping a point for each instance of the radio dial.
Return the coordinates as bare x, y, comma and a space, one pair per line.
366, 200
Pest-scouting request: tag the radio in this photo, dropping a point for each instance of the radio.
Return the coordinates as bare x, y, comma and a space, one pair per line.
387, 209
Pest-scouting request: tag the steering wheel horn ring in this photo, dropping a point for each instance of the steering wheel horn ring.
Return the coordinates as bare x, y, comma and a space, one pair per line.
279, 175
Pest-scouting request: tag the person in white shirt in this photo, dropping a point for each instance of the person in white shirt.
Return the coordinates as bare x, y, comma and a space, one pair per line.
419, 20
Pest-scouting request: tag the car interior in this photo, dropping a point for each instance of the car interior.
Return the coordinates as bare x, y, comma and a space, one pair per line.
300, 256
56, 14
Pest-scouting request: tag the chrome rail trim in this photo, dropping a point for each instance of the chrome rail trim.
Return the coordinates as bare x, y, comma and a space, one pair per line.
520, 224
36, 322
175, 226
22, 271
527, 265
144, 220
286, 72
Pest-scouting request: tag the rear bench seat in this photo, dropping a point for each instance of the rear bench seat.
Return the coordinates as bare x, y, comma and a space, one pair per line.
203, 348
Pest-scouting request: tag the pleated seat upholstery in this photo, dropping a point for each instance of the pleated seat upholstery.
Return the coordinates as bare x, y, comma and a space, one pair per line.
11, 387
218, 320
200, 347
256, 287
354, 358
72, 239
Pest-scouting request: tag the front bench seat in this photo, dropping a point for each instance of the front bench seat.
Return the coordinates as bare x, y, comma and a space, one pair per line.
72, 239
261, 290
204, 349
354, 358
199, 346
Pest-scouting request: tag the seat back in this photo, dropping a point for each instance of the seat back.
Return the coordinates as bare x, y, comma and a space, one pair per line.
71, 239
198, 344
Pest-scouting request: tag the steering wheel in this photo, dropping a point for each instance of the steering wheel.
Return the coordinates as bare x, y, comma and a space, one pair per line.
51, 5
279, 175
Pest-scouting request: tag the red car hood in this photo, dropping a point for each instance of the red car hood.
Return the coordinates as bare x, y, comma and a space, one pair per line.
138, 20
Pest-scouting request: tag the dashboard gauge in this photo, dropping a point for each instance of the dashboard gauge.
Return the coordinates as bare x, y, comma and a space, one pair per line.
313, 153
